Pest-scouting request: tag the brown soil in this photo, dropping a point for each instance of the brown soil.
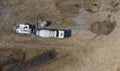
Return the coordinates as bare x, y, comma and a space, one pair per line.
76, 53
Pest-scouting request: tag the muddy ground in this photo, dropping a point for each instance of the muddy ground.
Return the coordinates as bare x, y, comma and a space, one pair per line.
93, 45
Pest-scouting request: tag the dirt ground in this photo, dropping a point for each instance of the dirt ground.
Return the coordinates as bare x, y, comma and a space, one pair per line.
93, 46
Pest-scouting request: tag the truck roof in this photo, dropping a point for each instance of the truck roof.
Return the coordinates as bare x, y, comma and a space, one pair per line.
24, 29
61, 34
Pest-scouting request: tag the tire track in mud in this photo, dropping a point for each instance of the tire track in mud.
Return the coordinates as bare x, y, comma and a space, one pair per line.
39, 45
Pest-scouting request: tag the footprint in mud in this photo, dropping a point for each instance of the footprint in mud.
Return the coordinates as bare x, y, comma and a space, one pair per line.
105, 27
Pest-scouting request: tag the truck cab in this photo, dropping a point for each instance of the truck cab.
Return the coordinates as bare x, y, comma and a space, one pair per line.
23, 29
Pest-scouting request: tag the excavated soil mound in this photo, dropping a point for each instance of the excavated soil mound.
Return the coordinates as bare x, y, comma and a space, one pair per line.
105, 27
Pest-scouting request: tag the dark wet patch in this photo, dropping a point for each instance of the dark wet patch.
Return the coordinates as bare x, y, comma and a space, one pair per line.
42, 59
10, 56
2, 7
1, 33
105, 27
2, 11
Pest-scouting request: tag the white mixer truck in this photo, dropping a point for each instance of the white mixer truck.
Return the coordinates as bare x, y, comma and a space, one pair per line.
44, 33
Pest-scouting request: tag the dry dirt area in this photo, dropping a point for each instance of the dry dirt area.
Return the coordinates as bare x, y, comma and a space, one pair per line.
93, 46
